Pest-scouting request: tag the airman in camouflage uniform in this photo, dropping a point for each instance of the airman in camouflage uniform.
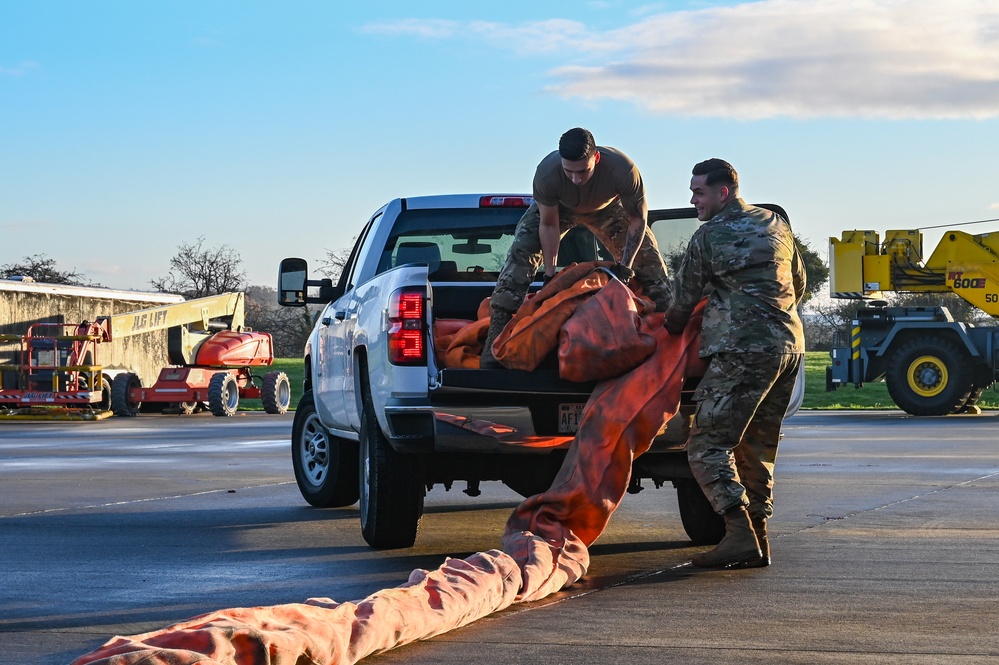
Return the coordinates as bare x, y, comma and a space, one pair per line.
753, 337
580, 183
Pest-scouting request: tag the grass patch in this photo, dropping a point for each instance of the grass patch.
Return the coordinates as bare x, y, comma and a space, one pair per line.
870, 396
293, 367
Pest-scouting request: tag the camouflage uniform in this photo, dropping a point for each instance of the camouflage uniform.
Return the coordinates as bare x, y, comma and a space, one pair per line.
753, 337
609, 225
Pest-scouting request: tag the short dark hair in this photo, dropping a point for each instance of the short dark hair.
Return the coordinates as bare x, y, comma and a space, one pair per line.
577, 144
719, 172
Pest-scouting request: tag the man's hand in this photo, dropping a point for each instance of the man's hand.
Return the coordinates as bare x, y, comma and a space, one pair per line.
673, 325
622, 272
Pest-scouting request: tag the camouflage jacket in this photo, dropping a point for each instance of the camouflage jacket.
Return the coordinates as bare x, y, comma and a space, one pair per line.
747, 258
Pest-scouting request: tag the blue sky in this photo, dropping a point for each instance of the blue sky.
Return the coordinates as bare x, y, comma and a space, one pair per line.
127, 128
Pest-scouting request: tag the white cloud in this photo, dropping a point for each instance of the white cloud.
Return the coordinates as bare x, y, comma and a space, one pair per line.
898, 59
427, 28
20, 69
994, 206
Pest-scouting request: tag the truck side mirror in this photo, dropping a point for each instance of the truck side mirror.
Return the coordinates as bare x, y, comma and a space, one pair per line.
292, 277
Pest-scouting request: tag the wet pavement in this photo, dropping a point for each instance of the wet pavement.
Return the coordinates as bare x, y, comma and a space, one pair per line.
885, 542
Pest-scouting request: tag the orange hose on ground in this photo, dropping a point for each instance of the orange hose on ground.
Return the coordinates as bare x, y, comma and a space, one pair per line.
544, 548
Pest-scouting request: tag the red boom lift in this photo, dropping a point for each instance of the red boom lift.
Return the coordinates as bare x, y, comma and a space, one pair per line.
59, 371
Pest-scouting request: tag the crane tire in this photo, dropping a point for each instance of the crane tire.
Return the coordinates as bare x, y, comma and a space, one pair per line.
930, 375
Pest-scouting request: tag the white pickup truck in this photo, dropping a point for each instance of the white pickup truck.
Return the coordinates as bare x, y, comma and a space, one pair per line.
381, 422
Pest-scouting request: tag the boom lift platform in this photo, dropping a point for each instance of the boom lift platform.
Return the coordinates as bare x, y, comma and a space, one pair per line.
59, 374
932, 364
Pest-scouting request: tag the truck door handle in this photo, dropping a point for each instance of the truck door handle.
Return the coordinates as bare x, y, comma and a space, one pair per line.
340, 316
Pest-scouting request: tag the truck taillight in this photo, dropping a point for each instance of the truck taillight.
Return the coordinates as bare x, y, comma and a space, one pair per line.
505, 201
406, 335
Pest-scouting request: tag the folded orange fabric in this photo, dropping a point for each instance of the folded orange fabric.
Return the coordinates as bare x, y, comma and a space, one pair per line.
534, 330
601, 339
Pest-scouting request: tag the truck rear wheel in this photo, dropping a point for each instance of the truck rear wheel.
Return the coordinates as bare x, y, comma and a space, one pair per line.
223, 394
930, 376
325, 465
121, 404
275, 393
392, 487
699, 519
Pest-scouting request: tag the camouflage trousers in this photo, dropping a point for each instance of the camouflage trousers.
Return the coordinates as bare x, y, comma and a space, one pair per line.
610, 226
732, 448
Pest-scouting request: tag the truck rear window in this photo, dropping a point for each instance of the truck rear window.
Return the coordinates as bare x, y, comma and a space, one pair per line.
458, 245
469, 244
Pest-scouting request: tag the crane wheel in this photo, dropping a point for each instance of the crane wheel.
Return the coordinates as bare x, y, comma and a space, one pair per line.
121, 403
223, 394
275, 392
930, 375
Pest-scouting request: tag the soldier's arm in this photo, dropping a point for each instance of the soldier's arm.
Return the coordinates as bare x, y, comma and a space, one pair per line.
548, 233
797, 274
637, 218
688, 288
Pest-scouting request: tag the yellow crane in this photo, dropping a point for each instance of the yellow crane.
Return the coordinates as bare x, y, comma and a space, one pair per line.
932, 364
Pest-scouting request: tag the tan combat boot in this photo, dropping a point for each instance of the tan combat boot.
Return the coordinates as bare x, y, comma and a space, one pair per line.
760, 529
497, 322
739, 546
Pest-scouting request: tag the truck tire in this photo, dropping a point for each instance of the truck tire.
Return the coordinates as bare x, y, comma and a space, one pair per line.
325, 465
275, 393
391, 487
699, 519
121, 405
930, 375
223, 394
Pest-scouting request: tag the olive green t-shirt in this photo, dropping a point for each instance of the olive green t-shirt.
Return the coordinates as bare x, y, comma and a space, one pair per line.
615, 176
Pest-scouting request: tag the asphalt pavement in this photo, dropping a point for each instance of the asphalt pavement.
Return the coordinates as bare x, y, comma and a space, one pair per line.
885, 544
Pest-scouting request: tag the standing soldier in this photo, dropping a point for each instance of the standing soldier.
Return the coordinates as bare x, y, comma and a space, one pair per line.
753, 337
580, 183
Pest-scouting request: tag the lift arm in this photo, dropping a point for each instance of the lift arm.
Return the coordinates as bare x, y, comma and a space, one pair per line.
195, 314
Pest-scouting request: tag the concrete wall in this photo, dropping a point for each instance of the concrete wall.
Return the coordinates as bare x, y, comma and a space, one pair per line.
24, 303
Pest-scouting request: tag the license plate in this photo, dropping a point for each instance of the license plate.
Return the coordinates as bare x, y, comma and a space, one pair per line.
569, 416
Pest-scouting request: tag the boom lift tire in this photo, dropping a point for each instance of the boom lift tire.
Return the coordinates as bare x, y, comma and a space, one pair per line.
391, 484
121, 404
930, 375
275, 393
223, 394
699, 519
326, 468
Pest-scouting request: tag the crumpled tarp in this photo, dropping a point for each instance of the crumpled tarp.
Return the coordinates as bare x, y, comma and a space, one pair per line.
544, 545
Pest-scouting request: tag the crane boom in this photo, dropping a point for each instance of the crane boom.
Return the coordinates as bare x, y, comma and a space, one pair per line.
195, 314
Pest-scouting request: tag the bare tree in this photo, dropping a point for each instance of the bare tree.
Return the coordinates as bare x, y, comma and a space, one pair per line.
197, 271
42, 268
289, 326
333, 263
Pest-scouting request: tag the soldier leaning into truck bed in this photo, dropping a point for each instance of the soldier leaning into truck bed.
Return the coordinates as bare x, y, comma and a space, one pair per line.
753, 338
580, 183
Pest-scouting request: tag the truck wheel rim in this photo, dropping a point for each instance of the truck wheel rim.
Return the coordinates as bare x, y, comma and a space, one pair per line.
315, 451
927, 376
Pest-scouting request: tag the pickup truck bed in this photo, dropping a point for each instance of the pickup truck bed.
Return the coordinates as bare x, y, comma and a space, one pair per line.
380, 423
